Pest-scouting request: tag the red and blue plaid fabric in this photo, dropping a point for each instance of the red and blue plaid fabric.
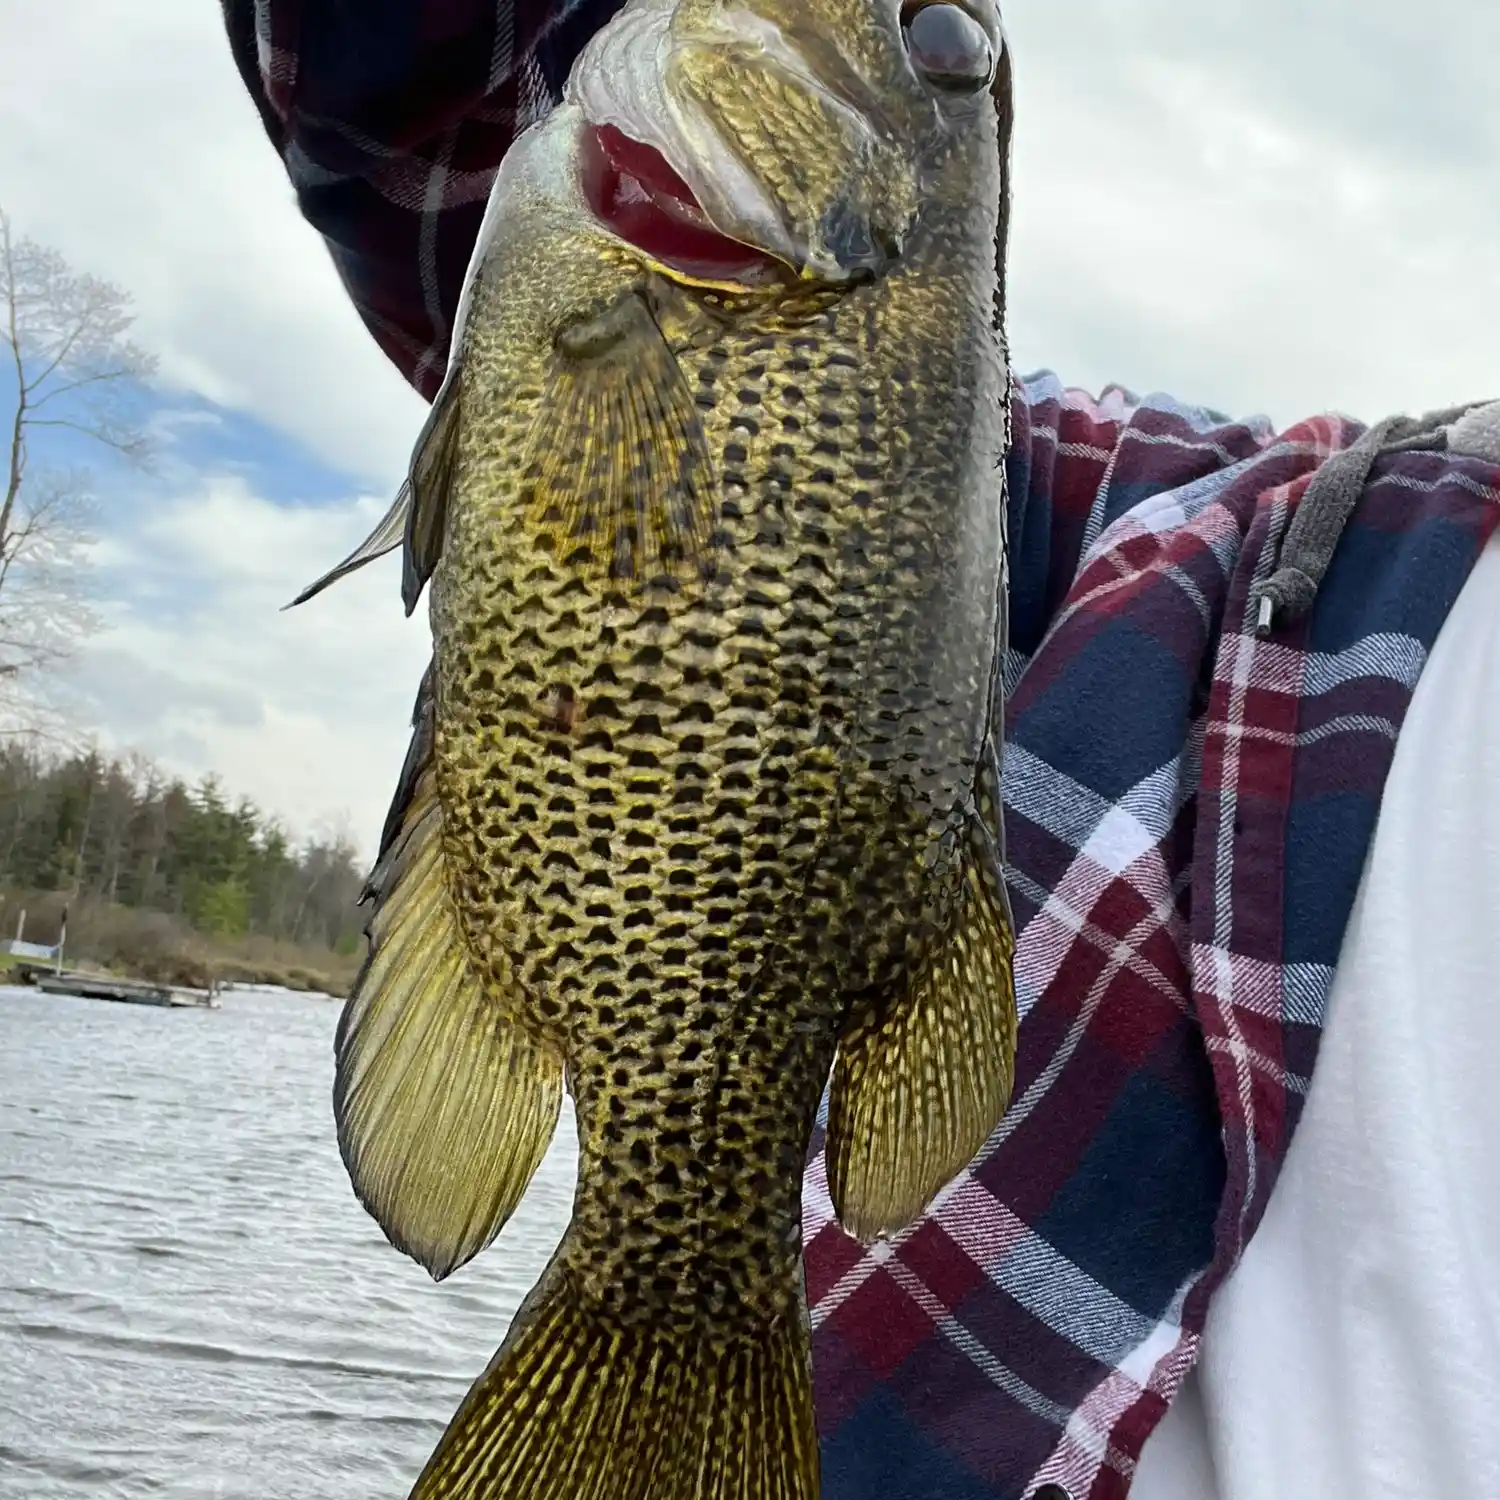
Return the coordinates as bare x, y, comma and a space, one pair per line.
1188, 810
391, 117
1188, 807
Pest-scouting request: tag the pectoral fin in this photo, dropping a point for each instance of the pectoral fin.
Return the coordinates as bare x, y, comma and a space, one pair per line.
444, 1105
917, 1090
622, 480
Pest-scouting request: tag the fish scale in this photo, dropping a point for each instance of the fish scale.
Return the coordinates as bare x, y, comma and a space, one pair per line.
701, 812
703, 823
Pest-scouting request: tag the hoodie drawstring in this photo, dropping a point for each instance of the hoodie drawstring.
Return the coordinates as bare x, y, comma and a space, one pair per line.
1308, 546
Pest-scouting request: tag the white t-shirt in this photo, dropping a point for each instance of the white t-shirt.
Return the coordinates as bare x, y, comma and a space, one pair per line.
1355, 1352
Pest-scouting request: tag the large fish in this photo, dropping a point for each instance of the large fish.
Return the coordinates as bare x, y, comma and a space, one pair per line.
702, 806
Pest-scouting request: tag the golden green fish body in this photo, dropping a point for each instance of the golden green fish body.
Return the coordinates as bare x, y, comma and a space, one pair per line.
703, 803
689, 826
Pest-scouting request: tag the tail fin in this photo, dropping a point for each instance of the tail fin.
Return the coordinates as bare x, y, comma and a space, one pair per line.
578, 1405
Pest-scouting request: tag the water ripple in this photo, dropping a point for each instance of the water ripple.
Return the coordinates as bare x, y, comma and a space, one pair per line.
192, 1304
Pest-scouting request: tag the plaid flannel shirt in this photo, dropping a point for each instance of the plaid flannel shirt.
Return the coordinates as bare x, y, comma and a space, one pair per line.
1188, 808
391, 117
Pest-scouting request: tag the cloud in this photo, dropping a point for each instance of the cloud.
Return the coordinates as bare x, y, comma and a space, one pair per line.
306, 712
1281, 207
128, 142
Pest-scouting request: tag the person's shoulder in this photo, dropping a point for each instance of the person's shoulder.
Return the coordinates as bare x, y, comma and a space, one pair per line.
1111, 449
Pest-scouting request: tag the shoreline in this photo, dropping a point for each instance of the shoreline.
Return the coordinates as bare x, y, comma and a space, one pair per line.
148, 947
314, 985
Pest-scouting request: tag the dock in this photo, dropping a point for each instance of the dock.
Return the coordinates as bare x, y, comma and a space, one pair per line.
106, 987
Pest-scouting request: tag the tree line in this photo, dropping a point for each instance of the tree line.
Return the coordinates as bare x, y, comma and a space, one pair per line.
122, 831
111, 835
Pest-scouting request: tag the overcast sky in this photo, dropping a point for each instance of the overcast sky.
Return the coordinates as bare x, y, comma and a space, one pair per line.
1281, 208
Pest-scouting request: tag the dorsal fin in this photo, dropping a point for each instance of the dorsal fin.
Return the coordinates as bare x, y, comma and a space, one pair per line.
433, 464
419, 512
385, 537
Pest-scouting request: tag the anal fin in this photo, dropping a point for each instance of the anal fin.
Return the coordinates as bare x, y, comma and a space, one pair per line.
917, 1090
444, 1104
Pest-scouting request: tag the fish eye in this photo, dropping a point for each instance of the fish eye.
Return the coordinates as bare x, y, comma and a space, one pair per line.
948, 47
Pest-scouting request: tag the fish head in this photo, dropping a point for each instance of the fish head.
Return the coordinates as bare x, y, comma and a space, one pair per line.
809, 133
738, 145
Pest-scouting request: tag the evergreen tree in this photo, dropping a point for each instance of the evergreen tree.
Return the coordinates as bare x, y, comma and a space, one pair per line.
122, 831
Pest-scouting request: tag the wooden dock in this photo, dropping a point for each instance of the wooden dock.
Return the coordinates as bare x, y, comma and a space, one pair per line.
107, 987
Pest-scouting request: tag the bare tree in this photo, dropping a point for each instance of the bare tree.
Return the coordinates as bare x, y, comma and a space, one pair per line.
70, 368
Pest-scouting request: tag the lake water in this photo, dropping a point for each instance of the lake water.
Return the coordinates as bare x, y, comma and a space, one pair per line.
192, 1303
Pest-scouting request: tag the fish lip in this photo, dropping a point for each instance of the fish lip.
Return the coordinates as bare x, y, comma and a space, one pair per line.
619, 82
627, 187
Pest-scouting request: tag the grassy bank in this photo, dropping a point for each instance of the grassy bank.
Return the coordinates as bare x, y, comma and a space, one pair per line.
163, 949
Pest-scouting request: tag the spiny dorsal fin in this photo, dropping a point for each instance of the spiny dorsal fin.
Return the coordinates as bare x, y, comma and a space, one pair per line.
917, 1091
413, 768
444, 1103
385, 537
621, 475
433, 465
419, 512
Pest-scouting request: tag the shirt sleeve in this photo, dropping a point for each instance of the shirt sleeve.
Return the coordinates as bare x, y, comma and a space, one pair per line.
391, 118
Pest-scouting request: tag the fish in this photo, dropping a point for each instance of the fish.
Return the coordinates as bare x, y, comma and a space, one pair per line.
700, 820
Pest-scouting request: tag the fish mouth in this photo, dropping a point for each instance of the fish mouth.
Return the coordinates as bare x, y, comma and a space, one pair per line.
703, 187
636, 193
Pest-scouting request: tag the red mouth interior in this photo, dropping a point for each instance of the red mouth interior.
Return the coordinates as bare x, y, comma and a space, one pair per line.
632, 188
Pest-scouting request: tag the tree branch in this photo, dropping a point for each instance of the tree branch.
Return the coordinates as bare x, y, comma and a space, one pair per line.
127, 443
72, 367
17, 466
122, 372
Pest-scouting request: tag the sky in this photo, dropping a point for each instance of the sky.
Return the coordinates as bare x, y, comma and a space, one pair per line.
1282, 209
